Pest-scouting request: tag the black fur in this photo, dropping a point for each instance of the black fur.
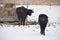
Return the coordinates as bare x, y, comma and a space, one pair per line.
22, 13
43, 20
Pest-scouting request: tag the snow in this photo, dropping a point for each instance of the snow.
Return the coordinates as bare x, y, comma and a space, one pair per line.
29, 32
32, 32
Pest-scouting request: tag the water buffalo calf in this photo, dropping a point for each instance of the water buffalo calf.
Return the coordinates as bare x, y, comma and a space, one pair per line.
43, 20
22, 13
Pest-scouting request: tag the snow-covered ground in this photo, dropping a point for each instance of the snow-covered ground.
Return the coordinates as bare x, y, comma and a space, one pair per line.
32, 32
29, 32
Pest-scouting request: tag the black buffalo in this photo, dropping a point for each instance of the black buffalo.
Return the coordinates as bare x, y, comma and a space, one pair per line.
22, 13
43, 20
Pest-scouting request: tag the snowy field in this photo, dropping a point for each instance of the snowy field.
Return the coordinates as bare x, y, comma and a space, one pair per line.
32, 32
29, 32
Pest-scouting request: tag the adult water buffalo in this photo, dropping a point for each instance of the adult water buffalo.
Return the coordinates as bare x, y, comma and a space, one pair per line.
22, 13
43, 20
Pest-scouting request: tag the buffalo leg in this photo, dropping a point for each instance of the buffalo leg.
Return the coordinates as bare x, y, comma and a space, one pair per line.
43, 29
23, 21
18, 21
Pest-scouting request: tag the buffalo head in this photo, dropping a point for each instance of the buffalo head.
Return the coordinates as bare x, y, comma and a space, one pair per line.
29, 12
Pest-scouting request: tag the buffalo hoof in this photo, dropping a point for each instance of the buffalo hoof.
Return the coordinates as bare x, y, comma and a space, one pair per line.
42, 33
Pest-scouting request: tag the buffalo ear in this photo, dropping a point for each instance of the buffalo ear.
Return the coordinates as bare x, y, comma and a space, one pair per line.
31, 11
